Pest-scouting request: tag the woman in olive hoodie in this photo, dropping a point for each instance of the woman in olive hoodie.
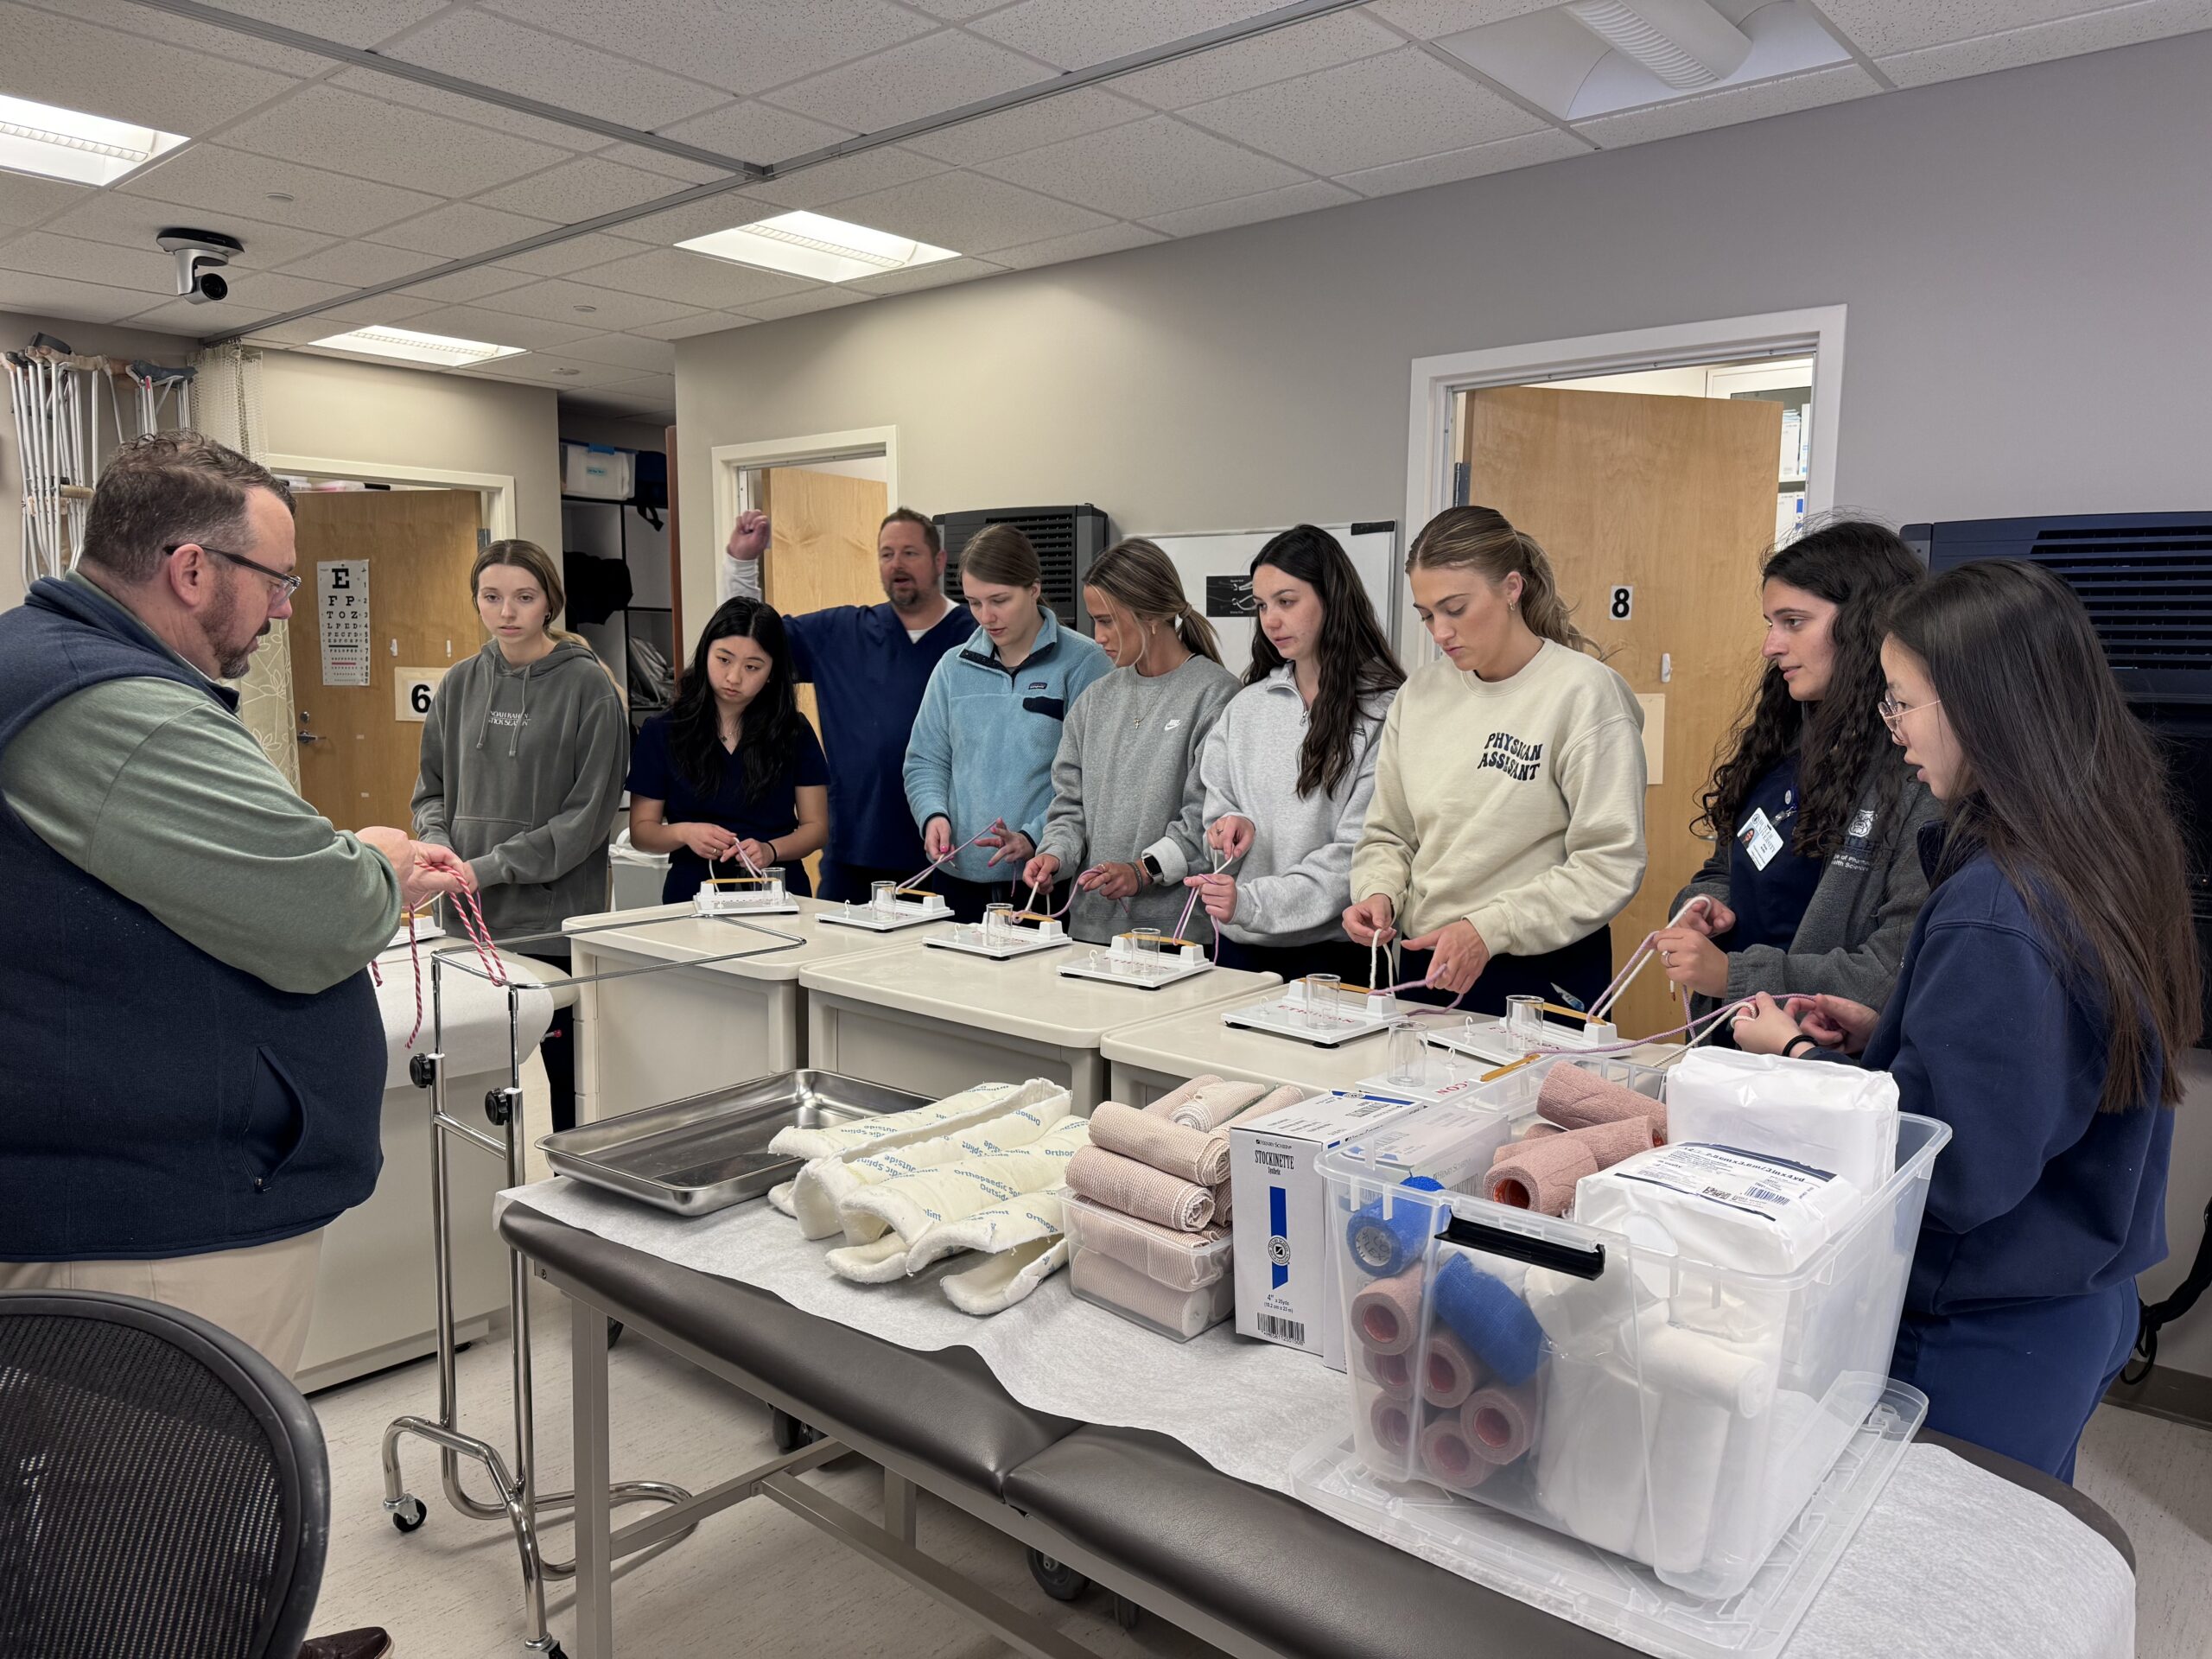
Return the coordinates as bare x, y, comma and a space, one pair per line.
523, 755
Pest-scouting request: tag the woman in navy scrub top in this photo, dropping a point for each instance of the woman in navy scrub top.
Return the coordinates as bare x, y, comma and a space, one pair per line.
1816, 879
733, 772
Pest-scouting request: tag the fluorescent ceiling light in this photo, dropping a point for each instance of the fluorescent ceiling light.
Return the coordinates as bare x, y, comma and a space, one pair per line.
814, 244
403, 343
58, 143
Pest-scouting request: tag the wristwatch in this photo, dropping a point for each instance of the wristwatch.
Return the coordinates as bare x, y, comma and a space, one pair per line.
1153, 873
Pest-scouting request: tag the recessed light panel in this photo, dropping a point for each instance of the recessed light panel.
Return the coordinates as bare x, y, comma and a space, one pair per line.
814, 244
409, 346
54, 142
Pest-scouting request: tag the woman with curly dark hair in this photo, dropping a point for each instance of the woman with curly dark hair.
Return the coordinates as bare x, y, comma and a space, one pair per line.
1817, 878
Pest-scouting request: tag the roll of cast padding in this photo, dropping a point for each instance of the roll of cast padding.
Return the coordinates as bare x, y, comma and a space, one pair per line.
1710, 1369
1449, 1373
1496, 1325
1386, 1315
1500, 1422
1386, 1236
1209, 1107
1540, 1174
1392, 1373
1393, 1423
1449, 1459
1197, 1155
1574, 1099
1139, 1189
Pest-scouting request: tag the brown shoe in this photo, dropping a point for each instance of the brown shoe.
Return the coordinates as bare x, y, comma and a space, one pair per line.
369, 1643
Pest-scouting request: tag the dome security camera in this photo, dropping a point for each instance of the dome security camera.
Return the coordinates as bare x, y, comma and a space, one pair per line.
199, 256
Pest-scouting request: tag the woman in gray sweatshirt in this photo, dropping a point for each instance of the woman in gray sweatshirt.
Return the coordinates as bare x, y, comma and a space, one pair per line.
1125, 792
1290, 765
1816, 879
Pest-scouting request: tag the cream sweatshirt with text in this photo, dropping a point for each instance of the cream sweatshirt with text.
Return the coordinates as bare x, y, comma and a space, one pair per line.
1517, 804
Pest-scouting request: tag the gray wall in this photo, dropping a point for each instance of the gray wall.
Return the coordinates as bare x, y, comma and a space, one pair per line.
2023, 256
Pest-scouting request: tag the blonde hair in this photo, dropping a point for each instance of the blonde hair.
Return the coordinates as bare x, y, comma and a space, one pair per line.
1481, 539
1140, 578
529, 555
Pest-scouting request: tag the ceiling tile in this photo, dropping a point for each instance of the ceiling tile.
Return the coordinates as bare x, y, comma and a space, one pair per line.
1726, 108
744, 48
632, 352
940, 275
1076, 34
471, 111
1880, 27
1432, 20
216, 180
832, 181
347, 132
966, 213
1146, 168
954, 11
581, 189
938, 71
701, 218
25, 200
557, 300
358, 265
1250, 210
65, 60
1320, 43
702, 323
1502, 155
578, 253
1067, 115
178, 31
754, 131
821, 299
357, 23
463, 228
548, 369
480, 47
668, 167
2120, 26
251, 299
473, 322
134, 222
65, 296
362, 314
1359, 115
147, 269
1085, 244
461, 286
693, 279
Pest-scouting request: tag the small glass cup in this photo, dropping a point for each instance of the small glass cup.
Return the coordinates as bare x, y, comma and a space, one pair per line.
1323, 994
772, 884
1524, 1023
883, 897
1409, 1057
998, 923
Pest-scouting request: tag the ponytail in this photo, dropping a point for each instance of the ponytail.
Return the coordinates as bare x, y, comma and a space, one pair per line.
1138, 576
1481, 539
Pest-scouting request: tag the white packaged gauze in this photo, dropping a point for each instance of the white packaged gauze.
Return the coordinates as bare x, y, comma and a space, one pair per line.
1718, 1207
1814, 1112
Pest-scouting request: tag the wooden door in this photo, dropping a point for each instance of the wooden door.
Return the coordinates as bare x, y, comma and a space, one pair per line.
360, 750
821, 552
1671, 499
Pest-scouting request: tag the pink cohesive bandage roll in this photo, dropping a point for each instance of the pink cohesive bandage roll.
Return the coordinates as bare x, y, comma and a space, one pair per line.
1500, 1422
1574, 1099
1392, 1373
1386, 1315
1540, 1174
1449, 1373
1448, 1459
1392, 1421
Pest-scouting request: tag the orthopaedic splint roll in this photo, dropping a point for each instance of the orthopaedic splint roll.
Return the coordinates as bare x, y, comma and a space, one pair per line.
866, 1135
911, 1204
1833, 1117
1022, 1243
825, 1184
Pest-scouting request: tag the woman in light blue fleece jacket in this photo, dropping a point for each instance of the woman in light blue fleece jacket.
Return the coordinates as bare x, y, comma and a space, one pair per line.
979, 765
1289, 767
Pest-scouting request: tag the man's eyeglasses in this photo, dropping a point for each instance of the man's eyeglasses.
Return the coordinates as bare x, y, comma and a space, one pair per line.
286, 585
1893, 712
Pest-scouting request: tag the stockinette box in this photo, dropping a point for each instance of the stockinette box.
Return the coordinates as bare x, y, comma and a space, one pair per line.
1286, 1289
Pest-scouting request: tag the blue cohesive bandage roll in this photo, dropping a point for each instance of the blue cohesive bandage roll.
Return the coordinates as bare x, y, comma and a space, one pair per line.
1496, 1325
1385, 1245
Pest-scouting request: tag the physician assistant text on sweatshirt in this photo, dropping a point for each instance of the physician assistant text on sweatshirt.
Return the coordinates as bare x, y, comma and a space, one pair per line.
1517, 804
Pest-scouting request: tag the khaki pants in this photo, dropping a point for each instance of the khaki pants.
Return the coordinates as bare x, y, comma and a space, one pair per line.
263, 1293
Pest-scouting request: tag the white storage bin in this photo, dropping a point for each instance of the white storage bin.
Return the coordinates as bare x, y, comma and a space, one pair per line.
594, 470
1607, 1384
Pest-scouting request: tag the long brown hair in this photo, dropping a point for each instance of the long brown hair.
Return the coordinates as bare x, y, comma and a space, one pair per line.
2052, 750
529, 555
1139, 576
1358, 668
1001, 554
1481, 539
1860, 567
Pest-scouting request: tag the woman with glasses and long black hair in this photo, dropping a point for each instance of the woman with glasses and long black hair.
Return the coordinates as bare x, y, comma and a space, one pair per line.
2048, 986
1817, 878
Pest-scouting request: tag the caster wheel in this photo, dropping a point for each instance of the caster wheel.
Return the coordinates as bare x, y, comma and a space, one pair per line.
614, 1332
789, 1434
1127, 1612
1060, 1582
409, 1515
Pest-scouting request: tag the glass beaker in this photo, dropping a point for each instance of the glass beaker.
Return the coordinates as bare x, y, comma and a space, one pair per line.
1409, 1055
1323, 994
998, 924
883, 897
1524, 1023
772, 884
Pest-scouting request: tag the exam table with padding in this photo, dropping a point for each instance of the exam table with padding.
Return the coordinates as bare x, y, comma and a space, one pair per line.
1252, 1571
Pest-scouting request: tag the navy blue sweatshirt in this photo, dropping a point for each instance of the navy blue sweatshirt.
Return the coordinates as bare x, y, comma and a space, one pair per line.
2038, 1195
868, 680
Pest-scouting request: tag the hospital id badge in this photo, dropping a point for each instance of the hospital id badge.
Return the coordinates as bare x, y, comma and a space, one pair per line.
1760, 838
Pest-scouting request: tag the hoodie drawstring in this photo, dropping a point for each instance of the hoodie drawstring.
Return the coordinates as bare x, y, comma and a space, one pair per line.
514, 743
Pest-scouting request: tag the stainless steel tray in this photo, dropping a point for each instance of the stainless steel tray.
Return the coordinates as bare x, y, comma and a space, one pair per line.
707, 1153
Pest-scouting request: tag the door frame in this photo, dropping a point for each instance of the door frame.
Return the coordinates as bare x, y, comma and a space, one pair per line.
497, 489
731, 462
1816, 332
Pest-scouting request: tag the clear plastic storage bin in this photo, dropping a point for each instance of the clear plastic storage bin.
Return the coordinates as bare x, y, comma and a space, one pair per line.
1145, 1273
1614, 1386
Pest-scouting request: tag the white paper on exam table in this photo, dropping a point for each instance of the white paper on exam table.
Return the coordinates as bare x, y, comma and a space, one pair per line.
2024, 1578
475, 1030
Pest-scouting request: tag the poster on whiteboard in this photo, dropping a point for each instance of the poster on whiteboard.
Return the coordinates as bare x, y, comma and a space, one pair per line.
1216, 568
341, 591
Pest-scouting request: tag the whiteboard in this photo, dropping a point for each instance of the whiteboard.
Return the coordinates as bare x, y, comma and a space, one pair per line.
1214, 566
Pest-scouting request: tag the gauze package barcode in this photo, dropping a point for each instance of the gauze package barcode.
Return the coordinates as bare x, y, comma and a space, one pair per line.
1281, 1329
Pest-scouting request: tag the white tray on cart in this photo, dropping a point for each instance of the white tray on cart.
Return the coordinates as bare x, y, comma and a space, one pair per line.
1486, 1038
968, 939
1124, 962
1287, 1015
906, 912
